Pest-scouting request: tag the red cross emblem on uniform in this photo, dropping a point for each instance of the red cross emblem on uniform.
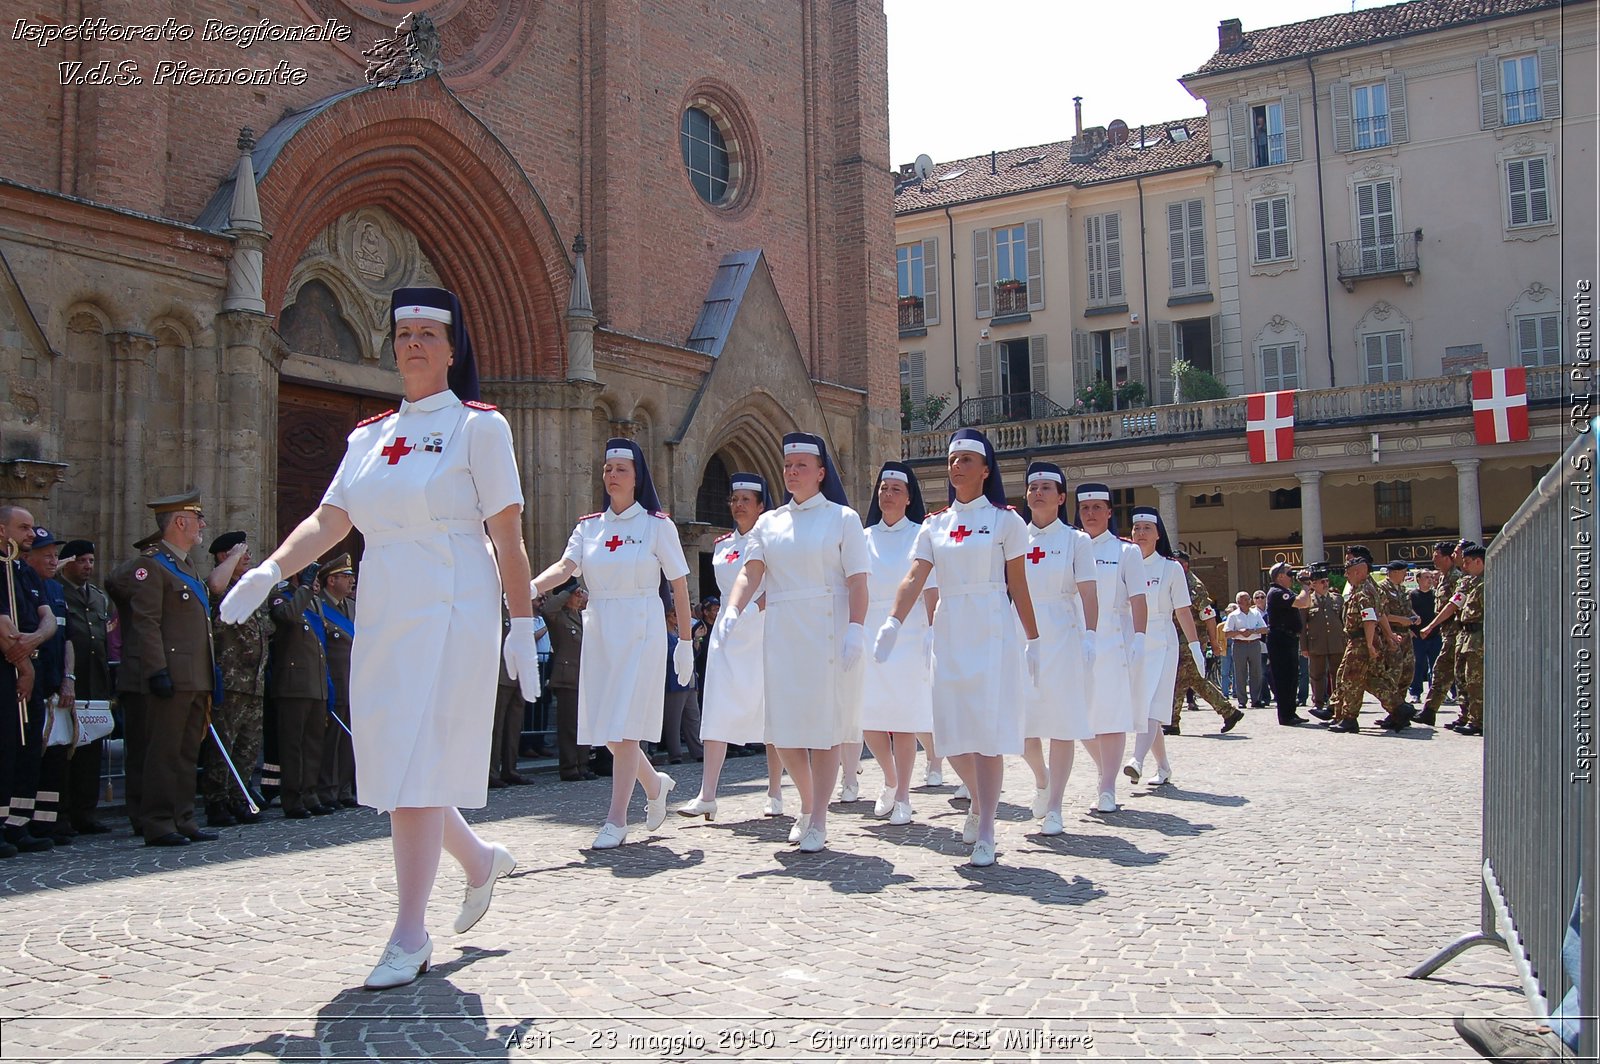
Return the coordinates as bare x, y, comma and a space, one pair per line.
960, 533
1036, 555
733, 555
613, 543
396, 450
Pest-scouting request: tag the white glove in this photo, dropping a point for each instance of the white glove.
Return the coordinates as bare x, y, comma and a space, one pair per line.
683, 661
927, 645
249, 593
1030, 655
855, 641
521, 655
729, 617
1136, 649
1199, 657
1090, 641
883, 645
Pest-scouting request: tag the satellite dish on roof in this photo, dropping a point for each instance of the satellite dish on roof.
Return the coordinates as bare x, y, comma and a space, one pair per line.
1119, 133
923, 167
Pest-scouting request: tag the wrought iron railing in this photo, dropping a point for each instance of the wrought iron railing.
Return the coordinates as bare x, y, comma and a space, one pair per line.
996, 409
1010, 299
1362, 259
1429, 395
912, 313
1521, 105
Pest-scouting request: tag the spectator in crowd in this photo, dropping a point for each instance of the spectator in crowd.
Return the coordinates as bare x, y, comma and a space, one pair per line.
336, 784
90, 621
508, 712
680, 720
1425, 605
1323, 639
242, 652
1245, 630
34, 626
298, 686
54, 679
563, 610
1283, 640
1225, 664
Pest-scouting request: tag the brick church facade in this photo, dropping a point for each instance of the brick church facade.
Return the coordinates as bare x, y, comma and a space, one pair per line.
670, 221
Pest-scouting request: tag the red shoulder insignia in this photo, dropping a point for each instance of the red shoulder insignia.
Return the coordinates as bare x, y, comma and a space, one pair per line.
661, 514
374, 417
477, 405
589, 517
936, 513
725, 535
1013, 509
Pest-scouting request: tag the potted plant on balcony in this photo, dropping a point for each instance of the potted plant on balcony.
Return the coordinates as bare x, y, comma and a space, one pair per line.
1093, 398
910, 302
1011, 284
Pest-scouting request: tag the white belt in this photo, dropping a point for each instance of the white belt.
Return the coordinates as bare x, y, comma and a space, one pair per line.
804, 593
413, 533
953, 590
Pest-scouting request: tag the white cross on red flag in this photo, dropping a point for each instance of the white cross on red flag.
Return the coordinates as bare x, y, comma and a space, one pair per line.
1500, 405
1269, 426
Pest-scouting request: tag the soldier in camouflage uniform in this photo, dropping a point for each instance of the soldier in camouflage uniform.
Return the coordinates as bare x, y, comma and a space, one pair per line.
1364, 625
242, 656
1189, 678
1400, 660
1467, 607
1446, 556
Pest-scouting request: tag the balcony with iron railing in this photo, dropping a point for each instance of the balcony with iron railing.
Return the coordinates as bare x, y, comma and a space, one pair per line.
1429, 396
913, 319
1365, 260
995, 409
1010, 297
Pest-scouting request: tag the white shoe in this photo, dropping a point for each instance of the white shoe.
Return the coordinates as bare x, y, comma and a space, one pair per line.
801, 825
1041, 802
962, 792
476, 903
773, 806
934, 778
851, 790
1052, 824
969, 830
901, 813
1163, 775
655, 809
982, 855
884, 805
397, 968
699, 807
610, 837
813, 841
1106, 803
1133, 770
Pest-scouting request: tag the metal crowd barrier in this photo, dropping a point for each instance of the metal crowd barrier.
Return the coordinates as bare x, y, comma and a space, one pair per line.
1539, 786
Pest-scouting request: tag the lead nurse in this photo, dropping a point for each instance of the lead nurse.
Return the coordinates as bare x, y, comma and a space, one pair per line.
421, 484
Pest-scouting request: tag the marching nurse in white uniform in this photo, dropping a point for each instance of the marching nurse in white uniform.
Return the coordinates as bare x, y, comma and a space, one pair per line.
733, 707
897, 699
1066, 605
810, 557
421, 484
1115, 705
1166, 594
979, 670
624, 553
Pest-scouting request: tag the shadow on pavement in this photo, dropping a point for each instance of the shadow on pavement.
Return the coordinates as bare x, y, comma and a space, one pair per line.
1111, 848
1023, 881
846, 873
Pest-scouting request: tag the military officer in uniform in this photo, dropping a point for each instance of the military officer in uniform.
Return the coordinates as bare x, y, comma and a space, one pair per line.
1399, 657
54, 679
90, 619
1445, 554
1466, 607
130, 679
1189, 678
298, 685
508, 713
1323, 639
337, 785
242, 656
169, 624
563, 609
1366, 629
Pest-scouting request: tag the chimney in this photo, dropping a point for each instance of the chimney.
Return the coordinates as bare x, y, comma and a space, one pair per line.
1230, 35
994, 158
1077, 113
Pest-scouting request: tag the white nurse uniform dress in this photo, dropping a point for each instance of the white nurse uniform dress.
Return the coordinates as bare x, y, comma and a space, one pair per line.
898, 694
809, 550
1165, 590
1059, 557
419, 484
1115, 705
978, 669
622, 674
733, 707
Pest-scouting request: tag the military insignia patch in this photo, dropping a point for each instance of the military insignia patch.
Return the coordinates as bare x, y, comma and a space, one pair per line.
433, 443
140, 574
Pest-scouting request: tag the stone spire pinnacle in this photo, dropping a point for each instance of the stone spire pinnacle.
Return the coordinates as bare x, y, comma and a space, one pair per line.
246, 210
249, 235
580, 319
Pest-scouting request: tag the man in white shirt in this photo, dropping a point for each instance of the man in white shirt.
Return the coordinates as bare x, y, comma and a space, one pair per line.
1244, 630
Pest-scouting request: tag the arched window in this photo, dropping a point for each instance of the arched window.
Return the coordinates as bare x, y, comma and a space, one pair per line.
711, 502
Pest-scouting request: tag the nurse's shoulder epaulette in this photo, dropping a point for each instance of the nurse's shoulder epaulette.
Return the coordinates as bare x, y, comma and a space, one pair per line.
373, 418
719, 539
661, 514
590, 517
477, 405
936, 513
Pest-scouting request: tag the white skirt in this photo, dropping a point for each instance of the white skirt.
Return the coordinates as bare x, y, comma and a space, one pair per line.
978, 673
1058, 708
1159, 675
812, 703
1115, 704
733, 707
622, 673
897, 695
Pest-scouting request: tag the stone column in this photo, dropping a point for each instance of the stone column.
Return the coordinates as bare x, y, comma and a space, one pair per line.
1311, 545
133, 362
1167, 504
1471, 520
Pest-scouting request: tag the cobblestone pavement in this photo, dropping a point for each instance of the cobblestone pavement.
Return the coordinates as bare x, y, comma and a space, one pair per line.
1263, 907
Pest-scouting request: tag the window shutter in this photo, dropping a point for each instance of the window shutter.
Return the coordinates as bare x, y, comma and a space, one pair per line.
1095, 255
1280, 227
1261, 214
1289, 367
1164, 383
918, 384
1528, 341
930, 282
1177, 247
1374, 349
1366, 221
1394, 356
1343, 132
1399, 132
1197, 243
1517, 184
1136, 370
986, 376
982, 286
1113, 232
1550, 340
1271, 376
1038, 366
1538, 190
1549, 82
1082, 361
1488, 93
1291, 127
1239, 135
1034, 232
